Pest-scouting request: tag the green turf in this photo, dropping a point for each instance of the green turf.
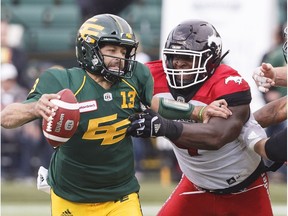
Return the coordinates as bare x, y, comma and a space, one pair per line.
26, 200
151, 192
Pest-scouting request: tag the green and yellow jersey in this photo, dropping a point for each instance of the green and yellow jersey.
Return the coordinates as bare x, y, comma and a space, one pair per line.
97, 163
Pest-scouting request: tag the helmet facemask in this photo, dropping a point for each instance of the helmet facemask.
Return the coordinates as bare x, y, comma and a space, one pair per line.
123, 71
184, 78
94, 34
97, 65
200, 46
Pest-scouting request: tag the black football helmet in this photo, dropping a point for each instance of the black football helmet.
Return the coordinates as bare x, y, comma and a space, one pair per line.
196, 40
94, 34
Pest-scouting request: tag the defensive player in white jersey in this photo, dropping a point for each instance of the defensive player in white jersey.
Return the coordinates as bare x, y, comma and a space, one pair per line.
221, 174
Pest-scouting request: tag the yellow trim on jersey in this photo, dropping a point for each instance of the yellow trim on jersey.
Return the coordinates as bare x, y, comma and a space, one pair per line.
132, 87
80, 88
34, 86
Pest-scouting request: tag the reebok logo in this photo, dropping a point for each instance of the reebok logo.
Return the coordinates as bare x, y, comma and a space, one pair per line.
66, 213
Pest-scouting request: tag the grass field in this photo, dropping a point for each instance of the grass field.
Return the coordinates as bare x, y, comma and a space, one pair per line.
26, 200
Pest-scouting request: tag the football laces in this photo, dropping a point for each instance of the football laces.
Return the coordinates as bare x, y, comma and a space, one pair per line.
50, 122
49, 125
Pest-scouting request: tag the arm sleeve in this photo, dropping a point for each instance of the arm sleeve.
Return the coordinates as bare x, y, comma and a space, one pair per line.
147, 83
276, 146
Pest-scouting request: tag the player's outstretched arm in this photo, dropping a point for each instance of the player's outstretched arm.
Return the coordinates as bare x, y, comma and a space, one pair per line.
266, 76
171, 109
16, 114
281, 76
210, 136
272, 113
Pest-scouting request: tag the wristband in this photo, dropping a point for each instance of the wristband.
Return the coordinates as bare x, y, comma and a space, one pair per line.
200, 117
171, 109
173, 129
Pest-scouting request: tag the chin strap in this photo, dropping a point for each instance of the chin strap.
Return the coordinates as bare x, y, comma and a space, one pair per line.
109, 77
222, 57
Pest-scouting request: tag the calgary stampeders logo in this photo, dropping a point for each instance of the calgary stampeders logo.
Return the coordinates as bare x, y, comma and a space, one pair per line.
236, 79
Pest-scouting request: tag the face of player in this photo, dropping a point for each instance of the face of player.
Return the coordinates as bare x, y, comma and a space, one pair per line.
114, 57
184, 62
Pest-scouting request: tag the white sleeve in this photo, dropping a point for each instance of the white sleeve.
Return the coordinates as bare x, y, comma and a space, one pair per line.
252, 132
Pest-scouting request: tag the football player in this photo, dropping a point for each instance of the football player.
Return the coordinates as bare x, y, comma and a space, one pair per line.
93, 173
221, 174
275, 147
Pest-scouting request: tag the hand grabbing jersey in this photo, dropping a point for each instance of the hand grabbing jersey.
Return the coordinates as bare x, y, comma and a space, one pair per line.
151, 124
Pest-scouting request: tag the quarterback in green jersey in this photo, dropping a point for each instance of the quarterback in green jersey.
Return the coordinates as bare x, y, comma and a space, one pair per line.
93, 173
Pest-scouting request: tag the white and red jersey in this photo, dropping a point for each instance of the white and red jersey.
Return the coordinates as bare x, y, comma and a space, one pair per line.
234, 162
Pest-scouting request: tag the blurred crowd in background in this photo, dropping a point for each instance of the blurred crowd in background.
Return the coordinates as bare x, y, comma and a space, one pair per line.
31, 44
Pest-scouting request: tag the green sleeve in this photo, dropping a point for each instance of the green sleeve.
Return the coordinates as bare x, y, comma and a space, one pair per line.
50, 81
148, 85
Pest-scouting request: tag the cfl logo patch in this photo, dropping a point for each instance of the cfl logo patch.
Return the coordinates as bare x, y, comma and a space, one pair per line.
107, 96
69, 125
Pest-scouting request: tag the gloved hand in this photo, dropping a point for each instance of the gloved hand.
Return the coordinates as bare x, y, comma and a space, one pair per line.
264, 77
146, 124
151, 124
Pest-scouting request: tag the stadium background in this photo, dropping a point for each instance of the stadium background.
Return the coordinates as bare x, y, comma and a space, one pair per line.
45, 30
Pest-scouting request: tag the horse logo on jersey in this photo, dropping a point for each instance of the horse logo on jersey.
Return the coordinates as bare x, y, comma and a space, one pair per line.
236, 79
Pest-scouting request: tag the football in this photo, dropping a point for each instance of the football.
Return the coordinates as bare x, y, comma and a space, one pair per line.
60, 128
